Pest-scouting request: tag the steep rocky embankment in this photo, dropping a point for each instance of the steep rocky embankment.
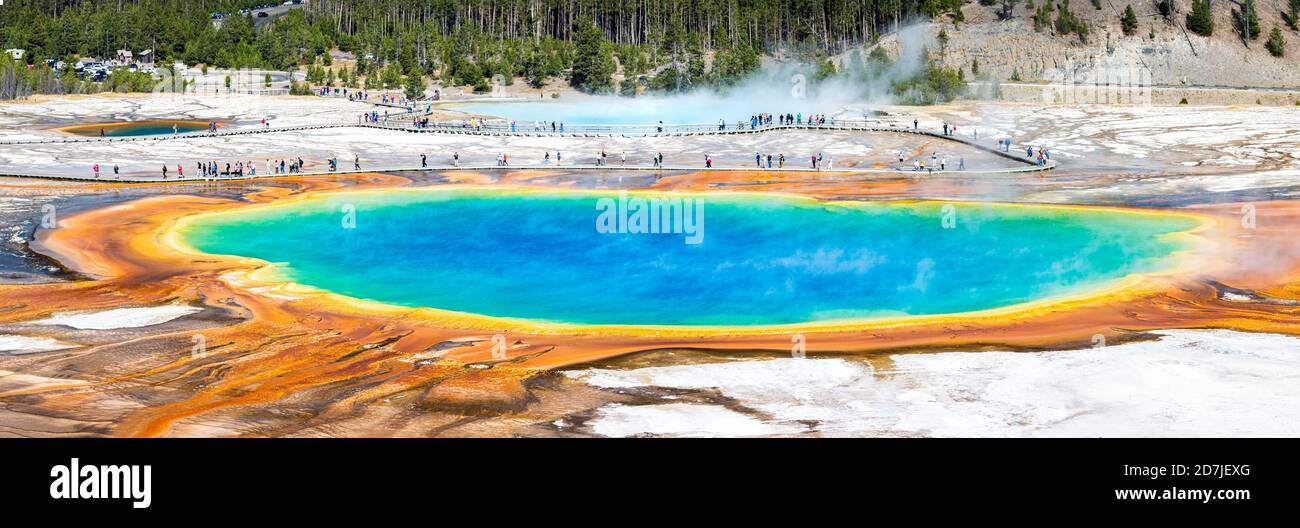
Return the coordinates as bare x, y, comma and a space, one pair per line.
1176, 61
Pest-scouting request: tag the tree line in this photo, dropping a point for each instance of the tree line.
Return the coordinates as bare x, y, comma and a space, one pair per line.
657, 44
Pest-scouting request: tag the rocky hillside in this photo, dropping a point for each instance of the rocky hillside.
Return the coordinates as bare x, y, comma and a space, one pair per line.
1174, 56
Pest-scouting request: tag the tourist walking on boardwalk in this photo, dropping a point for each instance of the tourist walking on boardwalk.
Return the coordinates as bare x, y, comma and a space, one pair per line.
915, 124
781, 161
95, 169
758, 160
180, 171
164, 170
622, 159
557, 157
116, 170
961, 163
455, 159
356, 162
423, 161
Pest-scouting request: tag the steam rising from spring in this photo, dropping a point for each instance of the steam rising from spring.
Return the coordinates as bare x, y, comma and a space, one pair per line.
778, 88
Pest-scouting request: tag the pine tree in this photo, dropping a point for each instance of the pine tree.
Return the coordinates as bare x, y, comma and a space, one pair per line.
414, 86
1130, 21
1276, 45
1166, 9
593, 66
1199, 20
1247, 20
1008, 9
1293, 14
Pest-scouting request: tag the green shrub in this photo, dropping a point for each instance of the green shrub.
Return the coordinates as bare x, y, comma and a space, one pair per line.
1200, 20
1276, 44
1129, 23
933, 84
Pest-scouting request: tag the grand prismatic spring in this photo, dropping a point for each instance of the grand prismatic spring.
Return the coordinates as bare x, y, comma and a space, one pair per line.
712, 259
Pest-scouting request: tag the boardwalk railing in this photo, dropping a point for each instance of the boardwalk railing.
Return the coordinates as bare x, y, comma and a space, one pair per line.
190, 178
506, 129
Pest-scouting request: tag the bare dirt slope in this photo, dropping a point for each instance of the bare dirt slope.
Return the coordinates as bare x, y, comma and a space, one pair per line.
1174, 57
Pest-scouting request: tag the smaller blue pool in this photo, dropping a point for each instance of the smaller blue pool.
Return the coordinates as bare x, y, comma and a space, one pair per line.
137, 128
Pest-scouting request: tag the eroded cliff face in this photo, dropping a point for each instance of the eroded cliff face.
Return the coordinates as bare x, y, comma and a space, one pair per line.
1174, 57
